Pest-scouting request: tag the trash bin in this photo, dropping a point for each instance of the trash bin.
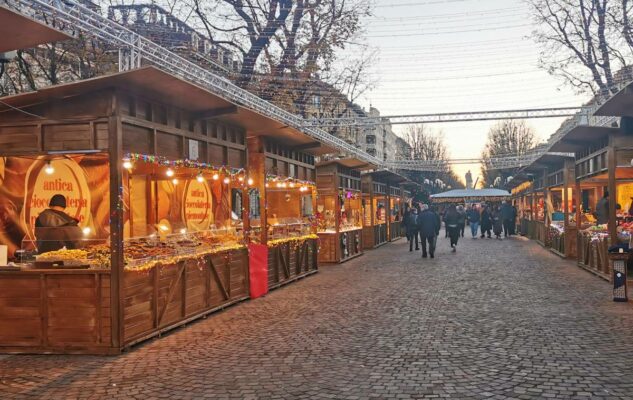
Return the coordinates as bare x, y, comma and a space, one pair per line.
619, 262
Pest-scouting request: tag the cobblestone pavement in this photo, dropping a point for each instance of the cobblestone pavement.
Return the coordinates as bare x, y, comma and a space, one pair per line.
498, 319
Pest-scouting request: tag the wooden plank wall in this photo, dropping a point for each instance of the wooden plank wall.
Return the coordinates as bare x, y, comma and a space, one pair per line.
289, 261
170, 295
55, 311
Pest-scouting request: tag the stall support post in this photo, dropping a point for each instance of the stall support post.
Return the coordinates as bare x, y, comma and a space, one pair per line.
611, 186
568, 181
115, 137
257, 171
546, 201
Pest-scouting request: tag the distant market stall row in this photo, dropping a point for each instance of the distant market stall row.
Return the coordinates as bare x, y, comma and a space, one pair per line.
579, 202
178, 204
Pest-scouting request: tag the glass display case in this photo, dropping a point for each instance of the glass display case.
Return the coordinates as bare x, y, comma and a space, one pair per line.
290, 213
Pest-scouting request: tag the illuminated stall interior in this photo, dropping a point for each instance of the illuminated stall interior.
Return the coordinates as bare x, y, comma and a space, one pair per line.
376, 203
339, 209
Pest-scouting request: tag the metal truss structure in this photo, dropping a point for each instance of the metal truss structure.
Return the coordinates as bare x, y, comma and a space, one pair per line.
450, 117
72, 18
135, 50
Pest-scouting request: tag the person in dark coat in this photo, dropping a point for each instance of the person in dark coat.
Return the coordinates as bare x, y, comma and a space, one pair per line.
506, 218
428, 227
452, 221
486, 223
473, 220
497, 222
602, 209
411, 226
60, 223
462, 219
513, 224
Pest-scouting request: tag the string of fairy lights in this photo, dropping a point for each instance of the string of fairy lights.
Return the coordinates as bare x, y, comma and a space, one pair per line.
173, 169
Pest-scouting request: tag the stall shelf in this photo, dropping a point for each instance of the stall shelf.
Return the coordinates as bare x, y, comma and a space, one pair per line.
150, 164
339, 210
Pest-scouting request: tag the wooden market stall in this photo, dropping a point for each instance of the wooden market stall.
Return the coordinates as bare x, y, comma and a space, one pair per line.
378, 217
521, 190
283, 220
339, 209
536, 225
152, 167
396, 211
603, 164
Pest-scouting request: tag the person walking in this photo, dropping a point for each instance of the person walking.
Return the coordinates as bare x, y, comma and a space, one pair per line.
462, 219
411, 226
486, 223
506, 218
497, 223
452, 221
473, 219
513, 224
428, 228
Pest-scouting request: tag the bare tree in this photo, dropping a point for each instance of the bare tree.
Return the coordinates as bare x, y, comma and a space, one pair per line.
286, 46
585, 41
505, 138
429, 145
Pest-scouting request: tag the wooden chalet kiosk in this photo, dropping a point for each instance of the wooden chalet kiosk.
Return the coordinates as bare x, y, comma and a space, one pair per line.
376, 201
520, 188
282, 204
339, 210
152, 167
536, 224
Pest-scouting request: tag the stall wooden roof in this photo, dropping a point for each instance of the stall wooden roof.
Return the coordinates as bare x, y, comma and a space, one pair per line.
620, 104
386, 176
581, 136
151, 82
20, 32
353, 163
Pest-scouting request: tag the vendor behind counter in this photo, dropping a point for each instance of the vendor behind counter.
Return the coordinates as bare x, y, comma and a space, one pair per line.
54, 229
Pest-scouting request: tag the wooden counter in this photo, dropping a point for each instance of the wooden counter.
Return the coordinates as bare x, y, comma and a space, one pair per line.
331, 245
290, 261
69, 311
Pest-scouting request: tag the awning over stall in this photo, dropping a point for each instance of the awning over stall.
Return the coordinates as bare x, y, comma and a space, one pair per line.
20, 32
464, 195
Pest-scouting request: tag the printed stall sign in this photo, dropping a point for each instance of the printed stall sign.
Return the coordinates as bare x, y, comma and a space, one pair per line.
27, 184
196, 206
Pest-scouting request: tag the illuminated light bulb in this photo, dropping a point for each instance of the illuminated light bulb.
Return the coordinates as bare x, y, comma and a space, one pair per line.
216, 177
250, 181
86, 231
200, 178
170, 172
227, 181
127, 164
266, 184
49, 168
174, 181
183, 231
241, 179
279, 184
291, 185
163, 228
283, 185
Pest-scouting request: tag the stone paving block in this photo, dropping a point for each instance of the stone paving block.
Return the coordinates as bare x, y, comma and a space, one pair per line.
497, 320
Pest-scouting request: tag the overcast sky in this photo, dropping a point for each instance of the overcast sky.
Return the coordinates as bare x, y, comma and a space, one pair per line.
460, 55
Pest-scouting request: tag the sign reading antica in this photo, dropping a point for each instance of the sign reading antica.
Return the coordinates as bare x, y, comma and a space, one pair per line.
68, 179
196, 207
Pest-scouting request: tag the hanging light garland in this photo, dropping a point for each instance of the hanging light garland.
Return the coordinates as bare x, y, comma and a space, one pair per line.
274, 181
227, 173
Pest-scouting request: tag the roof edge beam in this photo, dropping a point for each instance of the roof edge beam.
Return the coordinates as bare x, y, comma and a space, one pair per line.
216, 112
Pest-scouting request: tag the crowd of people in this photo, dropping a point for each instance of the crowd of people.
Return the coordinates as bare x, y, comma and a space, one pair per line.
423, 224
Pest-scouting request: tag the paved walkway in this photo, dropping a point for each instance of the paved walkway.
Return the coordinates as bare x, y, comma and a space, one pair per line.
499, 319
